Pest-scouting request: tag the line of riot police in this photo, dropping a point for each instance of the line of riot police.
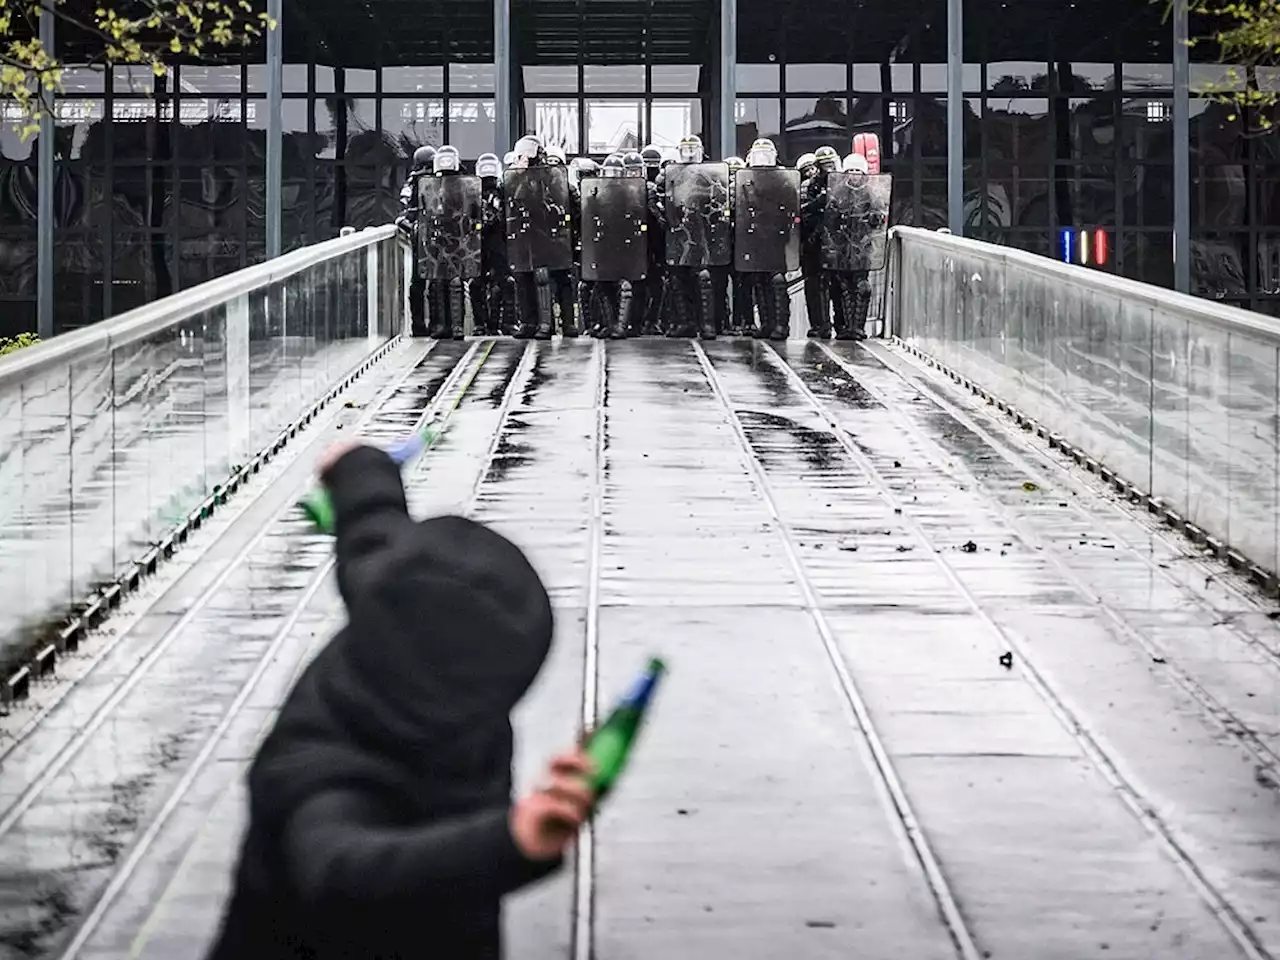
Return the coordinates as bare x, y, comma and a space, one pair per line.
643, 244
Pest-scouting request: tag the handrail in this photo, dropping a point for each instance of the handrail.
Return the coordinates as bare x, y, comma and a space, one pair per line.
1220, 314
150, 318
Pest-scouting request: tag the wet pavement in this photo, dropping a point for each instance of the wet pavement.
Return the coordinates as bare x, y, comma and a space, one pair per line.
934, 692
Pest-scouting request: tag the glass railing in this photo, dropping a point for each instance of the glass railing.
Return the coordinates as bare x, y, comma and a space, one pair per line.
114, 437
1174, 394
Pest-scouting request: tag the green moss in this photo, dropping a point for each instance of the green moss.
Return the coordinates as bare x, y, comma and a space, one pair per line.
13, 344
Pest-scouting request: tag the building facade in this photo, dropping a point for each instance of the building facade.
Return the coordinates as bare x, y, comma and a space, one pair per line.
1067, 131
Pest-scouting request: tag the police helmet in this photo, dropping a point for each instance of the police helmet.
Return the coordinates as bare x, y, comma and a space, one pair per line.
423, 157
855, 163
447, 160
581, 168
806, 163
526, 150
633, 163
613, 166
827, 158
652, 157
690, 150
488, 166
509, 158
555, 155
735, 163
762, 154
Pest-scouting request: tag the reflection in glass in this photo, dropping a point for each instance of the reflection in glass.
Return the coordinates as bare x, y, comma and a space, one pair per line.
628, 78
673, 120
344, 125
1011, 77
471, 126
88, 79
759, 78
933, 78
472, 78
1095, 76
1146, 76
555, 121
867, 78
758, 117
816, 77
674, 78
550, 79
812, 122
410, 124
413, 79
196, 79
295, 77
1218, 264
1146, 129
1269, 263
614, 125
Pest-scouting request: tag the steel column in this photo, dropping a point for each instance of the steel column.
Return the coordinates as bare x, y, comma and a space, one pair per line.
275, 126
955, 116
502, 72
46, 172
727, 132
1181, 150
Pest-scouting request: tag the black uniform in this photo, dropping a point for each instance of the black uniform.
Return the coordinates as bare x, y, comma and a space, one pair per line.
816, 298
493, 294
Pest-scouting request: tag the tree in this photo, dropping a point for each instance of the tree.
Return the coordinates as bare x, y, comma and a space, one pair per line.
1246, 35
141, 32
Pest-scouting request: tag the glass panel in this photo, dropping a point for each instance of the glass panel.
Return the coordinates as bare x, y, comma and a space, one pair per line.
1095, 76
344, 125
1218, 264
933, 78
868, 77
1146, 76
673, 120
77, 80
760, 117
132, 79
471, 126
555, 121
413, 79
616, 79
472, 77
812, 122
294, 80
1011, 77
674, 78
1269, 263
759, 78
360, 81
614, 125
550, 79
816, 77
227, 79
410, 124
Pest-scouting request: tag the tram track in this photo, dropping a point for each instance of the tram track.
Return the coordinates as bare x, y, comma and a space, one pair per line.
1122, 782
390, 415
883, 769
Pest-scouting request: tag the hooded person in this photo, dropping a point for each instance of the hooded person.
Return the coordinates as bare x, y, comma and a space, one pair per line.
380, 814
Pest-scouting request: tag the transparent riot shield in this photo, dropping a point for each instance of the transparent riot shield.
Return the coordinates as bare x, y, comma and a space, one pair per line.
614, 228
539, 224
855, 224
449, 227
766, 220
699, 230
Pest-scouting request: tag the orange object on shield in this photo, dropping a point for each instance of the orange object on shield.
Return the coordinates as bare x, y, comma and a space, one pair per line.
868, 146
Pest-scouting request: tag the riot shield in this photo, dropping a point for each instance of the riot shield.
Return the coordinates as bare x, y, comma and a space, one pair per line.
614, 228
766, 220
449, 227
699, 231
855, 223
539, 233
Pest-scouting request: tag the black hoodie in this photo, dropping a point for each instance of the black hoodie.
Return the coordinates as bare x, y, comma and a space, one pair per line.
379, 802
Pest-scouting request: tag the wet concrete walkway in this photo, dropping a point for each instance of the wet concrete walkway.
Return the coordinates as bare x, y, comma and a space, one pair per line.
934, 693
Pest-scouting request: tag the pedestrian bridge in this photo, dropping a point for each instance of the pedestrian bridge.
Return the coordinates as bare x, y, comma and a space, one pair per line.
972, 628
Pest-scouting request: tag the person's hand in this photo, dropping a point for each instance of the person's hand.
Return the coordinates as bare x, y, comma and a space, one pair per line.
334, 454
544, 822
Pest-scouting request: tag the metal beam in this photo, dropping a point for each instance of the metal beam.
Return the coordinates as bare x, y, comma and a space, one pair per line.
728, 75
275, 126
502, 76
1181, 150
955, 116
45, 171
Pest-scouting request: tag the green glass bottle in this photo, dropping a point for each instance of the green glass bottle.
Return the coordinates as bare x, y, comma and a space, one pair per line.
610, 744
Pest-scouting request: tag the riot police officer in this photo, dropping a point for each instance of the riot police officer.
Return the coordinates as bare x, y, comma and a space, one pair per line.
817, 290
612, 215
539, 239
445, 294
407, 221
649, 295
694, 197
766, 235
855, 217
493, 292
580, 168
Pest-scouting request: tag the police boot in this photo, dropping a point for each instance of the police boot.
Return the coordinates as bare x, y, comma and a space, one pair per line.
817, 307
542, 292
457, 309
781, 328
569, 324
861, 307
706, 304
618, 329
418, 308
438, 311
847, 308
480, 293
763, 296
526, 301
509, 322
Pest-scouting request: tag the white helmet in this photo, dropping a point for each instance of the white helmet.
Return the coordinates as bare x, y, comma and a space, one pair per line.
447, 160
556, 155
855, 163
762, 154
690, 150
488, 166
509, 158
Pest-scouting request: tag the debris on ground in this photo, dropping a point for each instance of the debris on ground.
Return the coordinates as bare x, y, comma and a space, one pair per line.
969, 547
1029, 486
1006, 660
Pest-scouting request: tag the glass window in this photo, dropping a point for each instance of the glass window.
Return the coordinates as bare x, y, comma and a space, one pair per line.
1269, 263
1147, 76
1093, 129
94, 80
324, 79
867, 77
933, 78
1146, 129
614, 125
360, 81
343, 126
293, 78
759, 78
673, 119
674, 78
759, 117
472, 78
471, 126
617, 79
550, 79
413, 79
1011, 77
1218, 265
812, 122
555, 121
132, 79
1094, 76
413, 123
816, 77
195, 80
